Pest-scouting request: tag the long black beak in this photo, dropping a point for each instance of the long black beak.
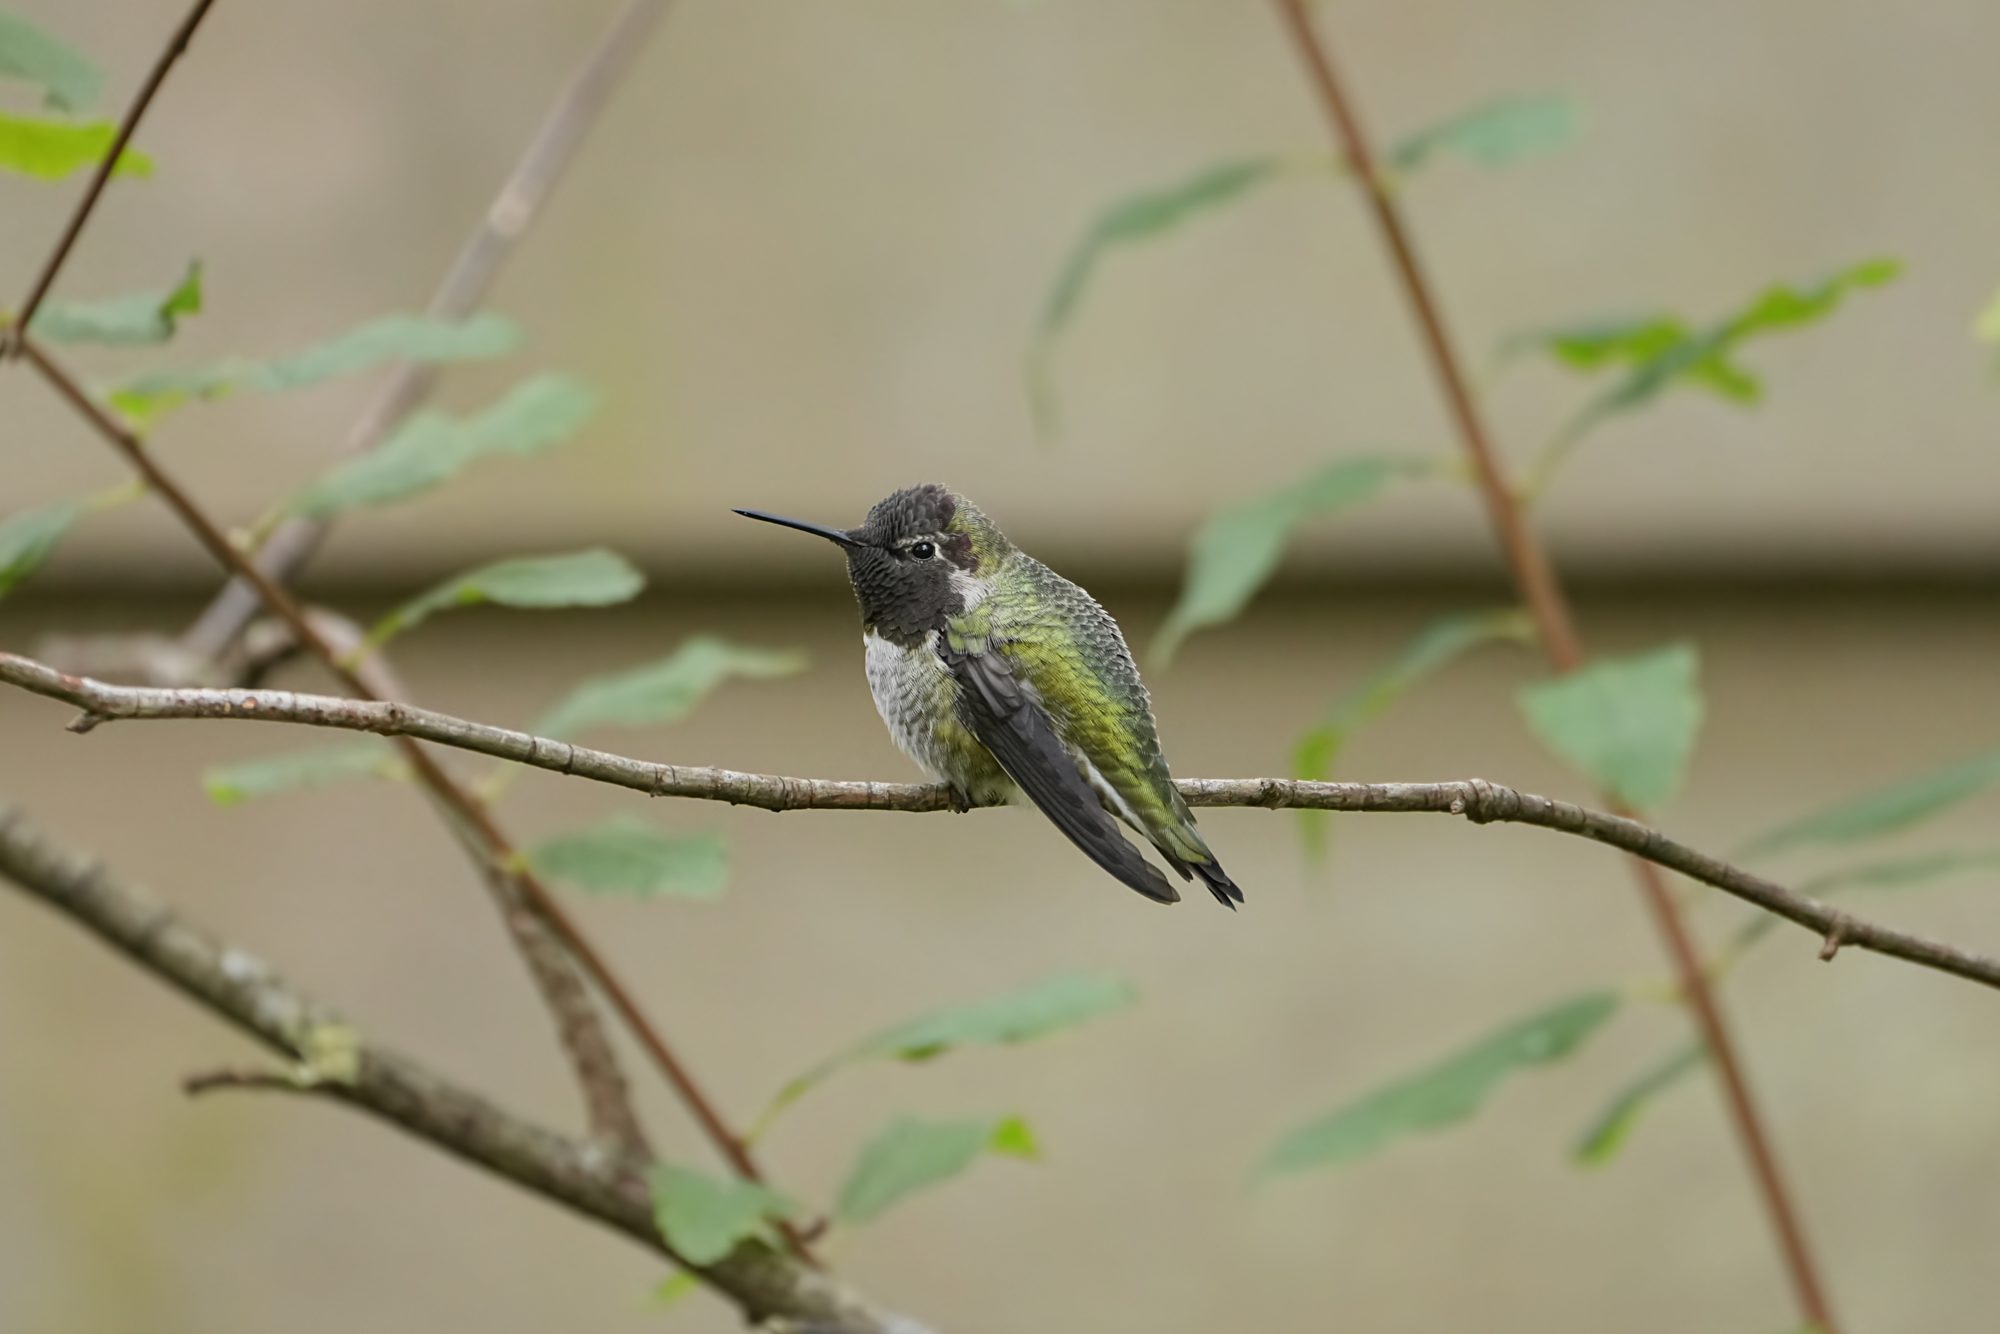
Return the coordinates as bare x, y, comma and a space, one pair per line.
817, 529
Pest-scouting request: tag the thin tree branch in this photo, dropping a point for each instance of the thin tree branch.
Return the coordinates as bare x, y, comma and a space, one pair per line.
590, 1178
521, 197
1475, 799
1534, 576
455, 799
133, 114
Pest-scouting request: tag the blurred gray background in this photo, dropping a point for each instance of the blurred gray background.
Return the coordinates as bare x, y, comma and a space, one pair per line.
803, 258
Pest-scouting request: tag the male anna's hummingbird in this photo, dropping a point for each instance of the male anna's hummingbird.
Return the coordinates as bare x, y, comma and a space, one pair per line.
994, 671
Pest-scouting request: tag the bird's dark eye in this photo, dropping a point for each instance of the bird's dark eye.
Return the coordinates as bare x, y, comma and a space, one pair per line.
923, 551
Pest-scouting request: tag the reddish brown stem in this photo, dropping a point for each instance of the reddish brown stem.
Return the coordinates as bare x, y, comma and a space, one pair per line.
1535, 579
133, 114
456, 800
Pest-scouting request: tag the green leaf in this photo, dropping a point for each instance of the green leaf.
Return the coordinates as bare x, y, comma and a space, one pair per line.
431, 447
232, 784
1494, 134
1022, 1016
1629, 723
911, 1155
705, 1218
1659, 351
28, 538
668, 690
417, 338
625, 855
1605, 343
1885, 810
53, 149
1607, 1133
593, 578
1236, 550
123, 321
69, 82
1143, 216
674, 1289
1445, 1093
1987, 327
1134, 218
1435, 646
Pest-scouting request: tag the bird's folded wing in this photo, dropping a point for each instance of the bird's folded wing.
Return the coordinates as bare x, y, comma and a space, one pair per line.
1010, 723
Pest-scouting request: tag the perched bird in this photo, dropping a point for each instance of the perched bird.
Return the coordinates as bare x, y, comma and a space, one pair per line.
993, 671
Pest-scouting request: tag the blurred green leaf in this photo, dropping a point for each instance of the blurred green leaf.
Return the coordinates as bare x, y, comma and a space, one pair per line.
1136, 217
1144, 215
1599, 344
431, 447
419, 338
705, 1218
1884, 810
1435, 646
1236, 549
53, 149
1629, 723
593, 578
668, 690
1662, 350
27, 538
1021, 1016
1987, 327
674, 1289
1445, 1093
910, 1155
123, 321
69, 82
1600, 1142
231, 784
625, 855
1494, 134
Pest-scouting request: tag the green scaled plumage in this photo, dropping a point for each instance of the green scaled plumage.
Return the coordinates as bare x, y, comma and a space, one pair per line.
991, 670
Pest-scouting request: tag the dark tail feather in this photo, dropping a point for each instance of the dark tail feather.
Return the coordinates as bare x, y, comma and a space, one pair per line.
1211, 873
1219, 884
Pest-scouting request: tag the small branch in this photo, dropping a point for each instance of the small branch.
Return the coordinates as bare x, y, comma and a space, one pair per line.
133, 114
590, 1178
208, 1081
1534, 577
1475, 799
521, 197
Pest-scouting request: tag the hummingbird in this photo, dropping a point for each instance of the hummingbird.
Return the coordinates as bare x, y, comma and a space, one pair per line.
995, 673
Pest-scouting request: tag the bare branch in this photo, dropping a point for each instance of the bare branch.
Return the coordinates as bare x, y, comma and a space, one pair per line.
1475, 799
521, 197
590, 1178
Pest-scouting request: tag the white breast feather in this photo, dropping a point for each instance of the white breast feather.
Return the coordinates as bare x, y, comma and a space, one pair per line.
912, 688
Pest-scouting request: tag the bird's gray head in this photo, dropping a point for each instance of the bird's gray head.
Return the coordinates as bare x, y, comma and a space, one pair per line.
922, 556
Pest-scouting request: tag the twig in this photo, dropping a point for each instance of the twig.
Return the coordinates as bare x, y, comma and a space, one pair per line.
521, 197
590, 1178
133, 114
1535, 579
454, 798
1474, 799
